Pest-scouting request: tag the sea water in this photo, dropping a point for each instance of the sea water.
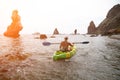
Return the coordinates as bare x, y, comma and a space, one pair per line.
97, 60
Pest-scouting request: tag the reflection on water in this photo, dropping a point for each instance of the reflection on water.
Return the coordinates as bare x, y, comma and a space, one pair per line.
10, 45
16, 45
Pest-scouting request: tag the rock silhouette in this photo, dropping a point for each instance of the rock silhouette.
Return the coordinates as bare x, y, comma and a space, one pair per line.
43, 36
91, 28
15, 27
56, 31
111, 24
75, 31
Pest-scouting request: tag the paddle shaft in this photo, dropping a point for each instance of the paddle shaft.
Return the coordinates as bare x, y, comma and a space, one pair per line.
49, 43
73, 43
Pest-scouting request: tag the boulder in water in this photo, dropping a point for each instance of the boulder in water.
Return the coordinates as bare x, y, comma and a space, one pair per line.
43, 36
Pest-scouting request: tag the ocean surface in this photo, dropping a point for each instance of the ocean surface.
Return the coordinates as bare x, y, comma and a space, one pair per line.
97, 60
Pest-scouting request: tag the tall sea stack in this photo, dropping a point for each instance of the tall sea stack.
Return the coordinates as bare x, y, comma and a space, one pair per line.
91, 28
56, 31
15, 27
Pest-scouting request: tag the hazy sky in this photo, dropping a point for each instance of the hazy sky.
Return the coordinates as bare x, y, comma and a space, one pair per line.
45, 15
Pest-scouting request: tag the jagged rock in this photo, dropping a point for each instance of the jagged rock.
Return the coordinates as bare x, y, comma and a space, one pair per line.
43, 36
93, 35
75, 31
91, 28
55, 31
15, 27
111, 24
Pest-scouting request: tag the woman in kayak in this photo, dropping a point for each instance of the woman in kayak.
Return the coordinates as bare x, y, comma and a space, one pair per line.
65, 45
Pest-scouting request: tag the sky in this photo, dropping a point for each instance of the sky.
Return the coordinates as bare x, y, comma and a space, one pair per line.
44, 16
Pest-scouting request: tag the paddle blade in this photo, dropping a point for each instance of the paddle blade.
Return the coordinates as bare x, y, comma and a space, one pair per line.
46, 43
85, 42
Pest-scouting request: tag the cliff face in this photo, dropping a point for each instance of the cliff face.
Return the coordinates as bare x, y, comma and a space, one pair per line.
91, 28
111, 24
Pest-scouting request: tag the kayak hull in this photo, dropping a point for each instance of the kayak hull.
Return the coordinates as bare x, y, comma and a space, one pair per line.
64, 55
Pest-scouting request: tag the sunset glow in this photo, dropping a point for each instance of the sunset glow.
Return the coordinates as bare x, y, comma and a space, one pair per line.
45, 15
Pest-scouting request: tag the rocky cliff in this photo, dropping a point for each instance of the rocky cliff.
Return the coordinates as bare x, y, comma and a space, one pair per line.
111, 24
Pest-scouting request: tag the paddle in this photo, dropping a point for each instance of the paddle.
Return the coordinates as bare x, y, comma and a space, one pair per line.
49, 43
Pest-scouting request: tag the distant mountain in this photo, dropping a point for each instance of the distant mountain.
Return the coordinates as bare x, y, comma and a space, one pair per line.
111, 24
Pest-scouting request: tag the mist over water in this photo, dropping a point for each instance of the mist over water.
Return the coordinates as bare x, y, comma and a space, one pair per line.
98, 60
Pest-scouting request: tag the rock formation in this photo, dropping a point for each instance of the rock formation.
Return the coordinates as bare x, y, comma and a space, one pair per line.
75, 31
91, 28
55, 31
15, 27
111, 24
43, 36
